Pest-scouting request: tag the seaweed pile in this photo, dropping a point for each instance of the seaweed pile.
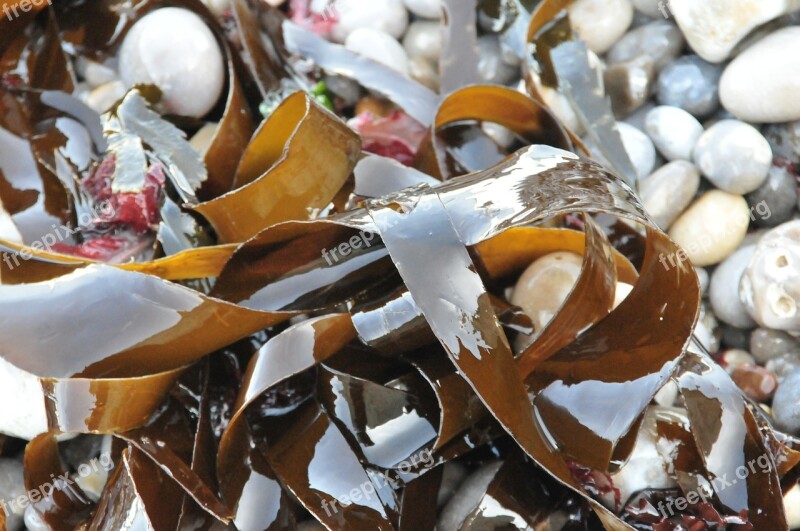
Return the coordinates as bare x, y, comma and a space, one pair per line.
251, 379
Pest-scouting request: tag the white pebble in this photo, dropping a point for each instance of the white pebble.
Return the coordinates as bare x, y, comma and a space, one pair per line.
669, 191
601, 23
389, 16
640, 149
425, 8
424, 39
380, 47
791, 502
674, 131
724, 290
175, 50
734, 156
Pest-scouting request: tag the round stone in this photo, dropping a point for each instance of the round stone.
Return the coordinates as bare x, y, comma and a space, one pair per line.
691, 84
712, 228
545, 285
424, 39
659, 40
761, 84
735, 338
724, 289
674, 131
425, 8
423, 71
389, 16
786, 404
173, 49
669, 191
770, 287
703, 278
492, 67
735, 358
766, 344
757, 382
784, 365
784, 139
734, 156
775, 201
380, 47
600, 23
640, 149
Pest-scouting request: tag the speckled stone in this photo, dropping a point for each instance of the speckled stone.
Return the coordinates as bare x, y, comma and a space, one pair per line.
669, 191
691, 84
659, 40
724, 289
784, 139
775, 202
786, 404
766, 344
734, 156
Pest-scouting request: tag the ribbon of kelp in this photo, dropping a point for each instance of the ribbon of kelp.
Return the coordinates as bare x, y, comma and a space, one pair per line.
309, 154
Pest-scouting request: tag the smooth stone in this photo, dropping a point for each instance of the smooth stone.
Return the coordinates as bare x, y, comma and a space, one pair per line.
775, 201
734, 358
761, 84
105, 96
34, 521
735, 338
389, 16
425, 8
757, 382
791, 504
674, 131
380, 47
770, 287
712, 228
734, 156
629, 84
467, 497
707, 330
502, 136
220, 7
424, 39
724, 289
766, 344
714, 27
544, 286
600, 23
786, 404
175, 50
492, 67
639, 117
784, 139
651, 8
640, 149
703, 278
784, 365
667, 192
423, 71
691, 84
12, 486
659, 40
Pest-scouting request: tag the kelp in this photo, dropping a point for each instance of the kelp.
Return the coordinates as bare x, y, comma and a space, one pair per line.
351, 336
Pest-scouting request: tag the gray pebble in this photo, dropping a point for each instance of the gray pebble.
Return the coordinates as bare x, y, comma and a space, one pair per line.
669, 191
639, 117
786, 404
691, 84
629, 84
12, 486
784, 139
766, 344
724, 289
659, 40
784, 365
735, 338
777, 197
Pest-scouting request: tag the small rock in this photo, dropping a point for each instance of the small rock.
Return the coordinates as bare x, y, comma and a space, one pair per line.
425, 8
380, 47
640, 149
389, 16
757, 382
35, 521
735, 338
707, 330
492, 67
734, 156
659, 40
712, 228
760, 85
784, 364
105, 96
674, 131
423, 71
724, 289
174, 49
791, 503
651, 8
424, 39
12, 486
629, 84
600, 23
770, 286
502, 136
786, 404
703, 278
557, 102
219, 7
714, 27
766, 344
669, 191
735, 358
691, 84
784, 139
344, 88
776, 200
545, 285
